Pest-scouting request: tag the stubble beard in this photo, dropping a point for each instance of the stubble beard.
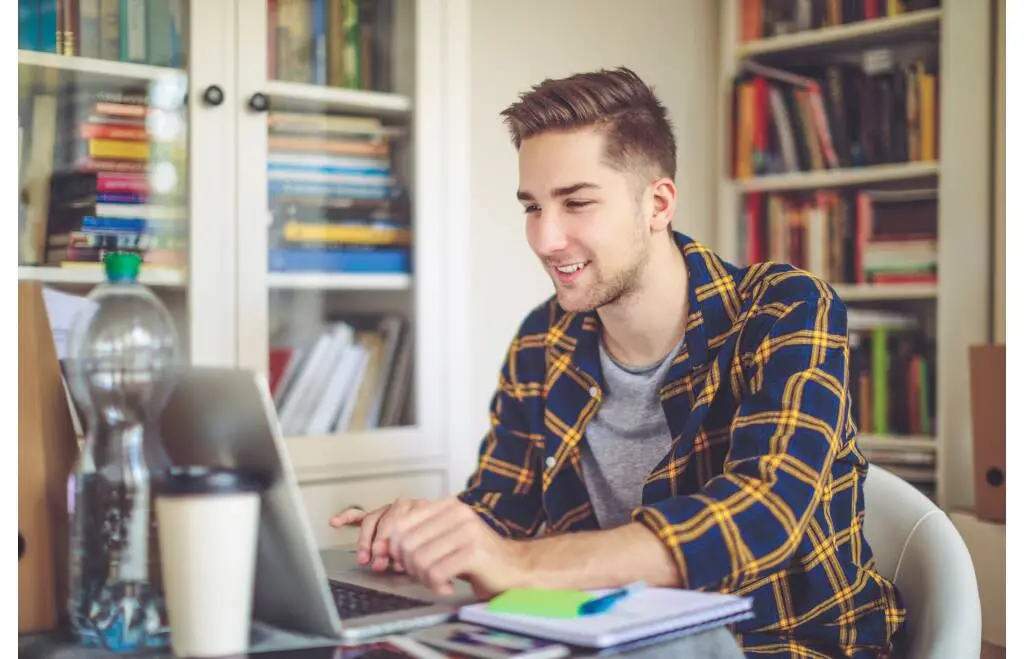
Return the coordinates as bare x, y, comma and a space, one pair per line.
618, 288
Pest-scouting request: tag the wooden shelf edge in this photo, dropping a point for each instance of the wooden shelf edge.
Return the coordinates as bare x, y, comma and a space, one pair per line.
841, 34
99, 67
837, 178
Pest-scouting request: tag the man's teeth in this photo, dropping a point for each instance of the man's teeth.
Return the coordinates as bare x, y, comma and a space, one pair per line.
569, 269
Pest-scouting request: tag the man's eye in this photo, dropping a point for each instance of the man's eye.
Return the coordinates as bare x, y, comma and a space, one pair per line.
577, 204
532, 208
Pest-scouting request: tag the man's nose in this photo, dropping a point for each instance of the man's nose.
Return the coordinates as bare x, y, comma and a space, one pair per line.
550, 236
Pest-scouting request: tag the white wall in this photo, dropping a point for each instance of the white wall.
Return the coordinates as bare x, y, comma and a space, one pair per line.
516, 43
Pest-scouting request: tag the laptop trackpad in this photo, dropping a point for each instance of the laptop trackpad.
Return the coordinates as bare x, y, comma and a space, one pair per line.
341, 564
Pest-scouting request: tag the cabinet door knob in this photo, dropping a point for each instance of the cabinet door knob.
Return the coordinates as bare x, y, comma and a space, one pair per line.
259, 102
213, 95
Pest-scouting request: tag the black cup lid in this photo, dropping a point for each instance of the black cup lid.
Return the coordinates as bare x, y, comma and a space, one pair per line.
190, 480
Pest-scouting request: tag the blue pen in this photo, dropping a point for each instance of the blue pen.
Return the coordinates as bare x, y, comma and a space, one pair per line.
605, 602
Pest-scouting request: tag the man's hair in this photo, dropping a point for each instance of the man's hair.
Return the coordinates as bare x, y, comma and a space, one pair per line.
638, 133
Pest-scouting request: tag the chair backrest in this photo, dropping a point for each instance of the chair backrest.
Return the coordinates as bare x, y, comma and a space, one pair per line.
917, 547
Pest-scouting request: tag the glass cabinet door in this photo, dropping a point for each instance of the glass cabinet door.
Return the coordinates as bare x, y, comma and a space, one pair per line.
330, 272
102, 133
107, 123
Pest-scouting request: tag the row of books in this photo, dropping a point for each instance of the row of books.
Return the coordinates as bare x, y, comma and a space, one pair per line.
913, 464
865, 236
340, 43
892, 373
836, 116
101, 172
336, 203
148, 32
349, 375
760, 19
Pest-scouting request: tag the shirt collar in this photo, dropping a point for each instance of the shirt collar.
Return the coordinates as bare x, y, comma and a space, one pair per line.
714, 306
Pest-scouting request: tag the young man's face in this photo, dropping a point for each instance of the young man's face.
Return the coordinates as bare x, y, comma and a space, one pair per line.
583, 218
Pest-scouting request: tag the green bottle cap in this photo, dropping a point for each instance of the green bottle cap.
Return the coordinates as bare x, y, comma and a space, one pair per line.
122, 266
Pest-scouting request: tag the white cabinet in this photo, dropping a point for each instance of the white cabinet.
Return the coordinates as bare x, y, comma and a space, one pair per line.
310, 153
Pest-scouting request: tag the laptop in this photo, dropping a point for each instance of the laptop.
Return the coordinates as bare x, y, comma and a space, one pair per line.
226, 417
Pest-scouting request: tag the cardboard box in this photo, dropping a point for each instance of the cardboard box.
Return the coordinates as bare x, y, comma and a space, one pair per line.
988, 425
47, 446
986, 543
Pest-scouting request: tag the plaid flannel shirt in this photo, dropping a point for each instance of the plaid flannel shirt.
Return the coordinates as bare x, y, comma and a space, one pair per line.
761, 493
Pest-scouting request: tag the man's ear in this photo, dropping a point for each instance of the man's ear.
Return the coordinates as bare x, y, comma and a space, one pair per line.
663, 209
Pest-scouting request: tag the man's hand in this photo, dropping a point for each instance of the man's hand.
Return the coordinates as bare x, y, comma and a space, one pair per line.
445, 540
375, 530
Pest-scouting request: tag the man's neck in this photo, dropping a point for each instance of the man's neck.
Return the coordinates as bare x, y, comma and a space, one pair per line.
643, 327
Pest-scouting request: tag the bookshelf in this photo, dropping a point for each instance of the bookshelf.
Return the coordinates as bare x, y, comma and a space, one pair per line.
317, 172
833, 185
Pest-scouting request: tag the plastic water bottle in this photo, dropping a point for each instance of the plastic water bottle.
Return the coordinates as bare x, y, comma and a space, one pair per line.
123, 352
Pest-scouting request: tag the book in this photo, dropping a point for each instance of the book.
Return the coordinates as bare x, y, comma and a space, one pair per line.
646, 613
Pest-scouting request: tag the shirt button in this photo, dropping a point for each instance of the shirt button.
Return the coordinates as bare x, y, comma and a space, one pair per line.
550, 463
593, 392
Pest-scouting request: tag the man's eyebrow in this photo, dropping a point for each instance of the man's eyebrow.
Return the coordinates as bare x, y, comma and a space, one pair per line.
564, 191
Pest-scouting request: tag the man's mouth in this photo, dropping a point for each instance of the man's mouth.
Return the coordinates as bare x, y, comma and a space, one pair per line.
571, 268
569, 272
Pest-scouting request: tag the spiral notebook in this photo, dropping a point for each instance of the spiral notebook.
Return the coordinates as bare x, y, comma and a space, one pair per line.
647, 613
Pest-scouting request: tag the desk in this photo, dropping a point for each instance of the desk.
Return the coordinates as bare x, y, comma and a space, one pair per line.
713, 644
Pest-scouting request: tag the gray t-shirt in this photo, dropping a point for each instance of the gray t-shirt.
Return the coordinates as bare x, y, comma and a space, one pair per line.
626, 438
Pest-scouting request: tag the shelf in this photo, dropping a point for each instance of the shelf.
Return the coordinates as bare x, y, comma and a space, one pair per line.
301, 96
93, 276
838, 178
861, 34
339, 281
87, 67
881, 292
896, 442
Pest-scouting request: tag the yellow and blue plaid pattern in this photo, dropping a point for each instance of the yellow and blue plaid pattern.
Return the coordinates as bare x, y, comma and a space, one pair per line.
761, 494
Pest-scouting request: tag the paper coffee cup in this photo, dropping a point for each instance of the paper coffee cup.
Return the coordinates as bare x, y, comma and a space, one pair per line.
208, 522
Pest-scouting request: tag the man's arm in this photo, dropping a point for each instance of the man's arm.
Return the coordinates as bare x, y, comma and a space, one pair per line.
505, 488
599, 559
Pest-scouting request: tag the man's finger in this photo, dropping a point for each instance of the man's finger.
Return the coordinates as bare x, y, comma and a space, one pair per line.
430, 542
422, 513
443, 572
348, 517
418, 547
382, 546
367, 531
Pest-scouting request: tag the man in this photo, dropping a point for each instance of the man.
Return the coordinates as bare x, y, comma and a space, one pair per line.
666, 416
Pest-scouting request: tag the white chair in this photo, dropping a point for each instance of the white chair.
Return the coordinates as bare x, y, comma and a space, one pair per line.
917, 547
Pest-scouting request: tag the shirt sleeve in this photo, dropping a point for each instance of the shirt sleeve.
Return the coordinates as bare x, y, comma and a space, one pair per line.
748, 521
505, 487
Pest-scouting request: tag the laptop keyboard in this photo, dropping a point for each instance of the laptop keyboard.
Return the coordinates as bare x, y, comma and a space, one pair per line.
355, 601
